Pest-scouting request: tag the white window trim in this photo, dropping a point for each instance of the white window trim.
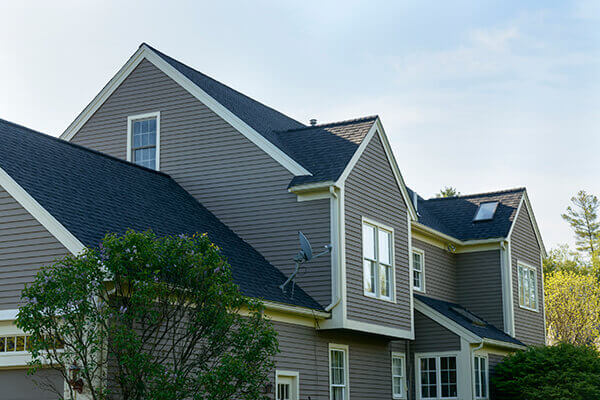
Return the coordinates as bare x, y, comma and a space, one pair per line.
295, 375
437, 356
346, 350
422, 253
130, 120
487, 376
404, 386
376, 224
537, 296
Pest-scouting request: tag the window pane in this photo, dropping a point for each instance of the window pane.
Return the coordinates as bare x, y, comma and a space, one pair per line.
338, 375
484, 378
448, 377
384, 280
20, 343
337, 393
136, 127
369, 242
397, 366
10, 343
369, 275
384, 247
428, 378
417, 262
417, 280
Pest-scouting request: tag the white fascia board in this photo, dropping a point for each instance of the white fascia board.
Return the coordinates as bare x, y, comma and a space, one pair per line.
424, 228
505, 345
145, 52
297, 310
525, 202
377, 128
446, 322
40, 213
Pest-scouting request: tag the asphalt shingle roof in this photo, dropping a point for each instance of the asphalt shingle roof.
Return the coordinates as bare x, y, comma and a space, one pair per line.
454, 215
92, 194
323, 150
447, 309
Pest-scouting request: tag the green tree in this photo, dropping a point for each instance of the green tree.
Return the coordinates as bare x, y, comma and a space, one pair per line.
583, 218
160, 317
562, 258
448, 191
572, 308
562, 372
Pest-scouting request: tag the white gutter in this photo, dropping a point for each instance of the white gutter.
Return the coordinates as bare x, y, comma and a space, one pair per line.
304, 311
452, 239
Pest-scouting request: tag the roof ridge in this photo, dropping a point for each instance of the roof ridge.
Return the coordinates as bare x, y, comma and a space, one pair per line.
518, 189
217, 81
80, 147
336, 123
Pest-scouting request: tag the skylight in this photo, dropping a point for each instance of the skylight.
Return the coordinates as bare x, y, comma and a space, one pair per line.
486, 211
469, 317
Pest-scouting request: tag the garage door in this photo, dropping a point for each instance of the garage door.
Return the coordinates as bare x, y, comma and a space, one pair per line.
17, 385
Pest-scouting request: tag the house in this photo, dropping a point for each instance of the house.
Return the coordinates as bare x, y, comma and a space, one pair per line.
419, 299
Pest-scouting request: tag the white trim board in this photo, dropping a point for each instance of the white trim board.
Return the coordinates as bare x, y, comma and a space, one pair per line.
536, 229
38, 212
144, 52
377, 128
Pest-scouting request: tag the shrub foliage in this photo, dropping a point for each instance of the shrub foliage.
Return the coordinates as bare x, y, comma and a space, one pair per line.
561, 372
155, 317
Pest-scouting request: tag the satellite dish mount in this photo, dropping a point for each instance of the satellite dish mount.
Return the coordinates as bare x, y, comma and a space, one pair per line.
304, 255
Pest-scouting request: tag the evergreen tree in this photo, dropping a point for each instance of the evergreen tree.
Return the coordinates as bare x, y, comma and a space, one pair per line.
583, 218
448, 191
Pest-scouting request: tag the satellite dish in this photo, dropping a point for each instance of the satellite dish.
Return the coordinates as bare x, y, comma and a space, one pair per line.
304, 255
305, 247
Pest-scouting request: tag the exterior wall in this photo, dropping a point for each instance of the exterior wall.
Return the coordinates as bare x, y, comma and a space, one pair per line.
440, 272
242, 185
305, 350
371, 191
431, 336
529, 325
18, 385
493, 360
480, 285
25, 246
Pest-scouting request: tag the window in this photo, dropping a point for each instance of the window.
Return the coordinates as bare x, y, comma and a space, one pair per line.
398, 373
481, 377
287, 385
378, 261
418, 270
143, 140
14, 343
338, 372
486, 211
437, 377
527, 287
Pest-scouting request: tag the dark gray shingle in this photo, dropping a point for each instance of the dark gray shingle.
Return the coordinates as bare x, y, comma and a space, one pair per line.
92, 194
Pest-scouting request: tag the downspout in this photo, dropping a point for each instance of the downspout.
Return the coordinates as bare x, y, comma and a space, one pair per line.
338, 293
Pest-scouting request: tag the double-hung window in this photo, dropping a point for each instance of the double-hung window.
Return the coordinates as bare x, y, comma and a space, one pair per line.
418, 270
338, 372
481, 377
398, 376
528, 293
378, 260
143, 140
437, 377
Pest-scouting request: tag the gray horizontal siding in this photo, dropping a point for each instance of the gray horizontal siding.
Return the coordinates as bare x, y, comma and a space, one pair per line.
440, 272
480, 285
305, 350
431, 336
529, 325
371, 191
493, 361
25, 246
43, 385
232, 177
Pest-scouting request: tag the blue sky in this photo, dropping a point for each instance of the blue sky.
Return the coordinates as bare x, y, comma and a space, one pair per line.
481, 95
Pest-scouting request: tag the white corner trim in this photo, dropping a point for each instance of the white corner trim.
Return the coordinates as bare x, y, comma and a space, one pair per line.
377, 128
130, 120
40, 213
144, 52
507, 290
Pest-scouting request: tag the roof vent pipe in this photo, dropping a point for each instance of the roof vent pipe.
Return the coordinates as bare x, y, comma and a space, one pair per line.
416, 201
313, 122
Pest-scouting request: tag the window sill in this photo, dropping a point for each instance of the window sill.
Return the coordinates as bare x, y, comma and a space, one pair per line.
418, 290
529, 308
374, 297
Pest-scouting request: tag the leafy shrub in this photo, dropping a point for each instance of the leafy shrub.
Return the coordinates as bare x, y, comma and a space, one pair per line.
561, 372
